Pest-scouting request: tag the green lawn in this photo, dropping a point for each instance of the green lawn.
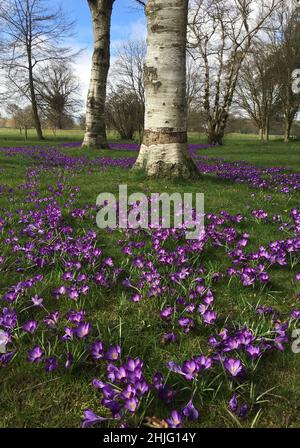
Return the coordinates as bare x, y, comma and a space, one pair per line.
32, 398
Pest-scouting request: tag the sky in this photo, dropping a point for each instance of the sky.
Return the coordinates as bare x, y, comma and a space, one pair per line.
128, 22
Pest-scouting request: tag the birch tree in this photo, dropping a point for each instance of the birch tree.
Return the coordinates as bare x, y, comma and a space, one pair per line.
95, 135
164, 151
257, 90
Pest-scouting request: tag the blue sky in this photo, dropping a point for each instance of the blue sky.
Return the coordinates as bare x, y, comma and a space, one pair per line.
128, 22
127, 18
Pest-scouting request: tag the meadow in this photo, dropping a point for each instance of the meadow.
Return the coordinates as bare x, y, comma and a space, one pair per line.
134, 328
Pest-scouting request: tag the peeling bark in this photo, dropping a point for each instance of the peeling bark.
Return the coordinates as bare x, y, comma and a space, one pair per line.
95, 135
164, 151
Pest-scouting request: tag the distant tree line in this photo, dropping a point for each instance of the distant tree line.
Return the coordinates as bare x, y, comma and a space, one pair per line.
241, 56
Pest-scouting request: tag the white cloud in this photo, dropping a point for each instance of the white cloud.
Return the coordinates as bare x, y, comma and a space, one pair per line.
83, 71
136, 30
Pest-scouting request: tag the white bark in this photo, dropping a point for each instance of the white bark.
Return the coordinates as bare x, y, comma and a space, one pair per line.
95, 135
164, 149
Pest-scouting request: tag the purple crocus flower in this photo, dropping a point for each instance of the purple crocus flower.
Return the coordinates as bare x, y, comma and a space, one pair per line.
5, 358
202, 308
131, 404
186, 323
68, 276
190, 369
35, 355
136, 298
233, 366
209, 317
203, 362
190, 412
98, 384
233, 403
76, 316
166, 313
68, 336
30, 326
91, 419
169, 337
109, 392
61, 291
253, 352
37, 301
97, 350
295, 314
5, 338
82, 331
264, 277
248, 279
73, 293
8, 318
158, 380
175, 421
115, 408
69, 360
240, 411
174, 367
51, 364
113, 353
52, 319
243, 411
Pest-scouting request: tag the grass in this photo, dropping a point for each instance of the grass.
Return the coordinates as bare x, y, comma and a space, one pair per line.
273, 153
31, 398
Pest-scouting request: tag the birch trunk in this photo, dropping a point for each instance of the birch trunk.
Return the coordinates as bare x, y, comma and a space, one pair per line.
164, 152
95, 135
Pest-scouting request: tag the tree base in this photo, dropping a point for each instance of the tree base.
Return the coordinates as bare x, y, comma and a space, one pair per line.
215, 139
95, 141
167, 161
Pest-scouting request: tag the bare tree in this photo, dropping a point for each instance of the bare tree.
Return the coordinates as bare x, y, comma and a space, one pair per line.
124, 112
95, 135
164, 149
220, 35
194, 85
58, 93
126, 89
130, 67
32, 33
257, 88
22, 117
